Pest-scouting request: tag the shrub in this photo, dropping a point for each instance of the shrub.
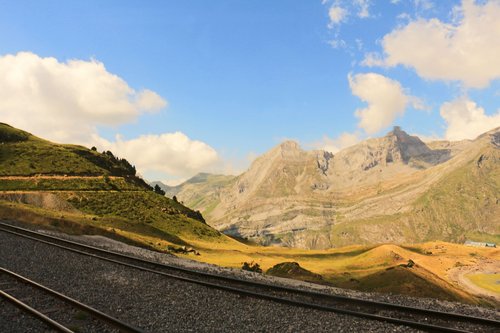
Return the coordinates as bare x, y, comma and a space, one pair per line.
158, 190
252, 267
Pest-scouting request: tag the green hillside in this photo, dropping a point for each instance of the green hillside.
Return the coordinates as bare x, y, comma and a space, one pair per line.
462, 205
39, 180
463, 202
23, 154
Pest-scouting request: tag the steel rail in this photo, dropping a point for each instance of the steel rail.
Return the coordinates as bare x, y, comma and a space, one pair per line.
117, 323
256, 283
429, 327
35, 313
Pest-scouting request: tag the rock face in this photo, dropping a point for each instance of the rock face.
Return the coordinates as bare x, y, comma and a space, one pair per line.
367, 193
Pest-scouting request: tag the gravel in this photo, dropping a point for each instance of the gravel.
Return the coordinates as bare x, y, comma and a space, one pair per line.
53, 307
13, 320
425, 303
159, 304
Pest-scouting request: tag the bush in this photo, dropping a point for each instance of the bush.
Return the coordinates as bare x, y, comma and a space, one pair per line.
158, 190
252, 267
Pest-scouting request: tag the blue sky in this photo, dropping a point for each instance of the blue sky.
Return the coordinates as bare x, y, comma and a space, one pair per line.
235, 78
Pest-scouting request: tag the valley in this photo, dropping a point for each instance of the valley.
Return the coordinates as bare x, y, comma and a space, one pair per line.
92, 193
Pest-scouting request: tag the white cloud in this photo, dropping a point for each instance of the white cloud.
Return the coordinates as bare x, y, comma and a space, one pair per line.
403, 16
337, 43
423, 5
344, 140
340, 10
385, 97
337, 15
171, 153
466, 120
66, 101
465, 50
373, 59
149, 100
363, 8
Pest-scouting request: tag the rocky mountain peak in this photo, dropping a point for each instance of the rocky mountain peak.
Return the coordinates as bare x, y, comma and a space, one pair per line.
407, 146
289, 145
287, 150
399, 135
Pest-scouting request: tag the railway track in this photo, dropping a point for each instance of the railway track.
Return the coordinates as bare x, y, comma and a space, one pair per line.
419, 318
55, 310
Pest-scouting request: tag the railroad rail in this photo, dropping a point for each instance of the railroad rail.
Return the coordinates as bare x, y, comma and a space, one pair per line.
13, 286
415, 317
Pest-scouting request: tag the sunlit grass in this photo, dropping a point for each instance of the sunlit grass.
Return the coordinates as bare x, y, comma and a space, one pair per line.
486, 281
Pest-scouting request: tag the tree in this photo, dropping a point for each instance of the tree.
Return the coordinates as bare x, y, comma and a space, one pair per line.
158, 190
174, 198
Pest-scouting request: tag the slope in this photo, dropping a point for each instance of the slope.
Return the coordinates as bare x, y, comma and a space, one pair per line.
73, 186
380, 190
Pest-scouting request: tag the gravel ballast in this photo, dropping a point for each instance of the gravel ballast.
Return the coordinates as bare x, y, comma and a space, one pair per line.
159, 304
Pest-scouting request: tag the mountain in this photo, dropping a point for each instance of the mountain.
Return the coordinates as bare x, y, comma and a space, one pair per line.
206, 183
390, 189
77, 188
170, 191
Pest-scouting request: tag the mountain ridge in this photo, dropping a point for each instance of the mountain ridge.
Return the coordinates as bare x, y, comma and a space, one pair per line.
313, 199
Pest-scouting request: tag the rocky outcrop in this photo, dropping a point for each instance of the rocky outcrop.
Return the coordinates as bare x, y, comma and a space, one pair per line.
39, 199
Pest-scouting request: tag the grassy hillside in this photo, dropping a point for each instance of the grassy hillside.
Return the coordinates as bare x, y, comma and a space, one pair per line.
23, 154
39, 180
463, 202
82, 191
203, 190
462, 205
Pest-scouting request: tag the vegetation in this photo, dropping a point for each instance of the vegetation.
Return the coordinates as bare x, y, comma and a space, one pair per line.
251, 267
293, 270
466, 199
99, 194
23, 154
158, 190
486, 281
71, 184
98, 184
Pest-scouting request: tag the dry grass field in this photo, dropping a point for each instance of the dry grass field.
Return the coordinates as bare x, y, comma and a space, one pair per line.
425, 270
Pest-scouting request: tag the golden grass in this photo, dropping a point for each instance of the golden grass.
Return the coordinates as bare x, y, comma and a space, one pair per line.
355, 266
486, 281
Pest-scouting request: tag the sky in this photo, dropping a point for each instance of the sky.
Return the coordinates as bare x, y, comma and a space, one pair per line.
179, 87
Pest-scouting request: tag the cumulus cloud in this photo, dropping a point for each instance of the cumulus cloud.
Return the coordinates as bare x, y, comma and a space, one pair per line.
464, 50
171, 153
149, 100
344, 140
67, 101
385, 97
466, 120
337, 15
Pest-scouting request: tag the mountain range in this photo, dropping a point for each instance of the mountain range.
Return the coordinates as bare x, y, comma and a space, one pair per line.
395, 188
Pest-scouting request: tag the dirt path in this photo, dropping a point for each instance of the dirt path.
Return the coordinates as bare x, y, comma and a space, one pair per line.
488, 266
